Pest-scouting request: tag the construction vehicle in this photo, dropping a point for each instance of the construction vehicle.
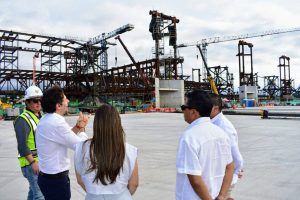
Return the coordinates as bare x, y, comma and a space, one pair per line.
4, 105
7, 111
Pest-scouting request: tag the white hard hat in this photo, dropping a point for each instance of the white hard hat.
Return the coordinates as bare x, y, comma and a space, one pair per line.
32, 92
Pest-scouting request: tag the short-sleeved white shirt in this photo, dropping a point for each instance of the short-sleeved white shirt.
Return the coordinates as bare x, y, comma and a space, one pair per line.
82, 162
221, 121
203, 150
53, 138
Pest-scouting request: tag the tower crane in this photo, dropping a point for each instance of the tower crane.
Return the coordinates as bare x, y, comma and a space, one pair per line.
205, 42
102, 40
209, 77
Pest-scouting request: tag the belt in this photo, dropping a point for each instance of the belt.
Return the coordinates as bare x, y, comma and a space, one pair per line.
58, 175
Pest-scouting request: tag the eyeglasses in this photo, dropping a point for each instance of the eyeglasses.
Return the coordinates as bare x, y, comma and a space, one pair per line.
35, 100
183, 107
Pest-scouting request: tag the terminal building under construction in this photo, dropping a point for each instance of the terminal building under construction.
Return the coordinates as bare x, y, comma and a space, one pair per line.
81, 68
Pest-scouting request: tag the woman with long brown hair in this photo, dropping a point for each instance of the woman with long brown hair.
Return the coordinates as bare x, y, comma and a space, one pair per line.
106, 166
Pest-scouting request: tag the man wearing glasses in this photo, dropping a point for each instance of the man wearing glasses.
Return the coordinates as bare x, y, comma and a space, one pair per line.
25, 126
204, 162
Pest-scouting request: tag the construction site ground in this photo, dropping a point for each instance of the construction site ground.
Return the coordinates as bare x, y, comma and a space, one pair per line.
270, 148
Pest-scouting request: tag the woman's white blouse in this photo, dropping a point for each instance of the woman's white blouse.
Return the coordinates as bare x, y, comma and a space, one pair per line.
82, 162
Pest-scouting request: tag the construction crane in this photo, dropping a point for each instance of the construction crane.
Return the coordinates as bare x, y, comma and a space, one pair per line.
205, 42
146, 82
209, 77
102, 39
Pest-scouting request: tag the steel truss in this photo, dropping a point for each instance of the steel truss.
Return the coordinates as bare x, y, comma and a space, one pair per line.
223, 79
285, 76
245, 78
157, 28
271, 86
73, 64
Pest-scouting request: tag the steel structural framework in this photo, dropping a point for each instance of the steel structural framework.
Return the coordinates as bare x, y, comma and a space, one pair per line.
246, 78
102, 40
271, 86
206, 41
73, 64
285, 76
296, 93
116, 80
14, 44
119, 80
157, 28
223, 79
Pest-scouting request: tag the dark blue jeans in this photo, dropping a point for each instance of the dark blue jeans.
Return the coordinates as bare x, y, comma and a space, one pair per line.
34, 190
55, 188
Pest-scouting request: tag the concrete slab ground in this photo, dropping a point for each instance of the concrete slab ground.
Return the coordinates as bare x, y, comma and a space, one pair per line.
270, 148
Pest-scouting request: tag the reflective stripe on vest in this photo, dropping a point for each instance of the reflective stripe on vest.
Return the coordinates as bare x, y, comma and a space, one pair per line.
32, 120
33, 123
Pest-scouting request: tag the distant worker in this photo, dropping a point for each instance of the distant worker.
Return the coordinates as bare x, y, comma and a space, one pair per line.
220, 120
25, 126
204, 162
105, 165
53, 138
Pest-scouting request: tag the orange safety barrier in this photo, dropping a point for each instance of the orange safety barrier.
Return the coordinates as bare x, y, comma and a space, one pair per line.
167, 109
152, 110
160, 110
172, 109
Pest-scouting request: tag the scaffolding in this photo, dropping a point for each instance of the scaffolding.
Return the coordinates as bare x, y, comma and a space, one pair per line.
157, 28
271, 86
223, 79
246, 78
75, 66
9, 50
285, 76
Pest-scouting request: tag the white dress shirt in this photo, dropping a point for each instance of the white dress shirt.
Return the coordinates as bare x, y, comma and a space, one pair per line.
82, 162
221, 121
53, 138
203, 150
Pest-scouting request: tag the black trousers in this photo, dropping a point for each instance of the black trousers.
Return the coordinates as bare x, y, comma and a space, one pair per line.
55, 187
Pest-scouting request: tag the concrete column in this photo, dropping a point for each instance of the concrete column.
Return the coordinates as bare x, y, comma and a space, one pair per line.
170, 93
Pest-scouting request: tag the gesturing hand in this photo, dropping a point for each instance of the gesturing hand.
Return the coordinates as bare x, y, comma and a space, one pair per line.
82, 120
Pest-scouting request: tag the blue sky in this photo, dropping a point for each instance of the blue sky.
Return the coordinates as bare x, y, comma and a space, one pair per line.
198, 20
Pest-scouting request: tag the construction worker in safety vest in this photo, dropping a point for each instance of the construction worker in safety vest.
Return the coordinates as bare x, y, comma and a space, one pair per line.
25, 126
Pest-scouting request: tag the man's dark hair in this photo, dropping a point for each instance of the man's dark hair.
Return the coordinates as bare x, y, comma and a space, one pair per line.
199, 100
51, 97
216, 101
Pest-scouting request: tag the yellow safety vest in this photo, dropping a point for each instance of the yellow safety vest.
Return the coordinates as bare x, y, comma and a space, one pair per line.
32, 120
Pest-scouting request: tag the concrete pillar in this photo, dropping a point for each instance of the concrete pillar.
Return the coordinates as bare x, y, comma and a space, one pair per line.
248, 92
169, 93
